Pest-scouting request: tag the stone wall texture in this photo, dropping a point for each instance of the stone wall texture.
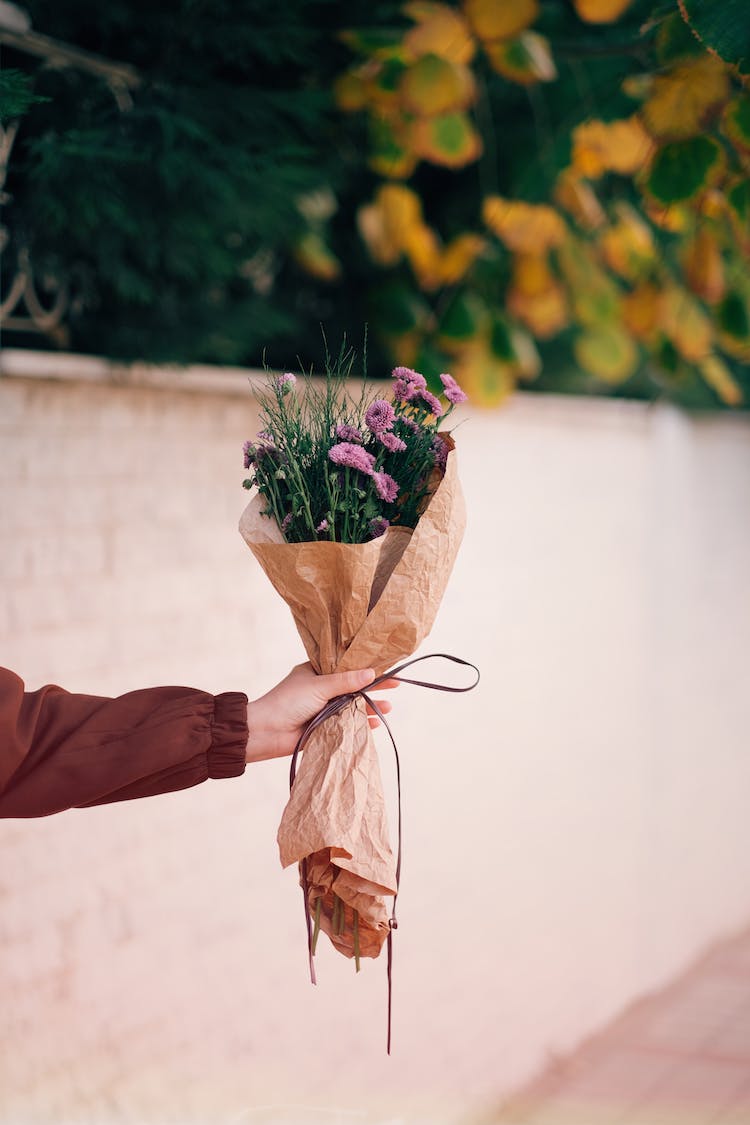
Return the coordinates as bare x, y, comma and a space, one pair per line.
576, 830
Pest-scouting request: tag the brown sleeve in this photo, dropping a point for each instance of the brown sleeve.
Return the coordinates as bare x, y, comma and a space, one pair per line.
59, 750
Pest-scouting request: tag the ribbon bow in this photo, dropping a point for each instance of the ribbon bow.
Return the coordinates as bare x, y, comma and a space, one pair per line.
331, 708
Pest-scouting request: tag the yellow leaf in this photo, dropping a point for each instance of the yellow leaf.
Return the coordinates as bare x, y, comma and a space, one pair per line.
422, 248
674, 218
685, 324
500, 19
439, 30
682, 100
486, 379
628, 246
449, 140
312, 254
532, 275
720, 378
391, 147
526, 227
579, 199
350, 92
385, 224
607, 353
459, 256
616, 146
536, 297
704, 266
525, 60
601, 11
640, 312
433, 86
405, 348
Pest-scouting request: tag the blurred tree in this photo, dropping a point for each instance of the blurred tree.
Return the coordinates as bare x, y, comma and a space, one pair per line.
188, 215
554, 191
564, 194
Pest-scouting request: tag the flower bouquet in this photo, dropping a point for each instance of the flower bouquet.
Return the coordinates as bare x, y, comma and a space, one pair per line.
356, 521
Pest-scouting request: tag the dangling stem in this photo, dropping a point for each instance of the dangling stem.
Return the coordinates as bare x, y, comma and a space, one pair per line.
356, 939
316, 928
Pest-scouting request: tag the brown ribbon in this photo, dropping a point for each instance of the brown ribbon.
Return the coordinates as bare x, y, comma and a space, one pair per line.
331, 708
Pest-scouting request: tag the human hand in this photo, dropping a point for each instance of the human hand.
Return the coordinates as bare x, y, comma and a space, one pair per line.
277, 720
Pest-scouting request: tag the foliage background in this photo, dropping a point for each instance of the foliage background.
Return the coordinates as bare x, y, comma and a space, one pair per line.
278, 171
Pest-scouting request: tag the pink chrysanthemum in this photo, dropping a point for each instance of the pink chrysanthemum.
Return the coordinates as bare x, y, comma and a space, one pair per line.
440, 451
408, 384
453, 392
322, 526
285, 523
380, 416
378, 526
385, 486
392, 442
428, 402
349, 433
352, 457
248, 454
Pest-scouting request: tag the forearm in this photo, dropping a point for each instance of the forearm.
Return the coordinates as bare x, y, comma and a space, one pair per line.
60, 750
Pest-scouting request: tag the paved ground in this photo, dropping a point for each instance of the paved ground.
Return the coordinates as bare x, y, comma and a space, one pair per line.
677, 1057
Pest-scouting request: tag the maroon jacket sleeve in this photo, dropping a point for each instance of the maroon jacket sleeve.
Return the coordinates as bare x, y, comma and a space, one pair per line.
59, 750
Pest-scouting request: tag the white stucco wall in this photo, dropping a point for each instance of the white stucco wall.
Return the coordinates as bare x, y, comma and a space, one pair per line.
576, 830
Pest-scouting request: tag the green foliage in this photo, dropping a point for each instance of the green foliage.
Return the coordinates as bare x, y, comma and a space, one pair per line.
724, 27
177, 219
16, 94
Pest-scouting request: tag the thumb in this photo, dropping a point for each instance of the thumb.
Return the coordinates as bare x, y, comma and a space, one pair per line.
340, 683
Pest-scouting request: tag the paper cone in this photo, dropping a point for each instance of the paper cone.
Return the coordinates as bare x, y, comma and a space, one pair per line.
363, 605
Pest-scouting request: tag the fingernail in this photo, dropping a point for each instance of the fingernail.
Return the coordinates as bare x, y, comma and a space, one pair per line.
368, 675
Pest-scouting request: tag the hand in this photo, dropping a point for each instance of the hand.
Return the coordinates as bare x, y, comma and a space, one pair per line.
277, 720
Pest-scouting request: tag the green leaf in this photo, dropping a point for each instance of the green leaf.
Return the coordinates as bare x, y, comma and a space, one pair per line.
739, 200
682, 169
733, 316
675, 40
724, 27
736, 122
397, 309
462, 318
501, 342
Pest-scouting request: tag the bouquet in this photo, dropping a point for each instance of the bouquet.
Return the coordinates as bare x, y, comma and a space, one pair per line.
356, 520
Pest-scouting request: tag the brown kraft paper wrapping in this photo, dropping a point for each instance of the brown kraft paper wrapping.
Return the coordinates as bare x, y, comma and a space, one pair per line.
363, 605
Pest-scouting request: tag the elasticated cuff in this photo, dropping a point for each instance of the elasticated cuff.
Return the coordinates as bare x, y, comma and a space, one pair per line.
226, 756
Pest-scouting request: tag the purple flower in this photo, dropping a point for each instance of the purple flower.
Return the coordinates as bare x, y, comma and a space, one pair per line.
392, 442
428, 402
349, 433
440, 451
248, 452
453, 392
322, 526
352, 457
410, 376
385, 486
284, 383
265, 436
410, 424
378, 526
285, 523
408, 383
380, 416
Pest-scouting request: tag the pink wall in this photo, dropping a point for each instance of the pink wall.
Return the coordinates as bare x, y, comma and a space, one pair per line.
575, 831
